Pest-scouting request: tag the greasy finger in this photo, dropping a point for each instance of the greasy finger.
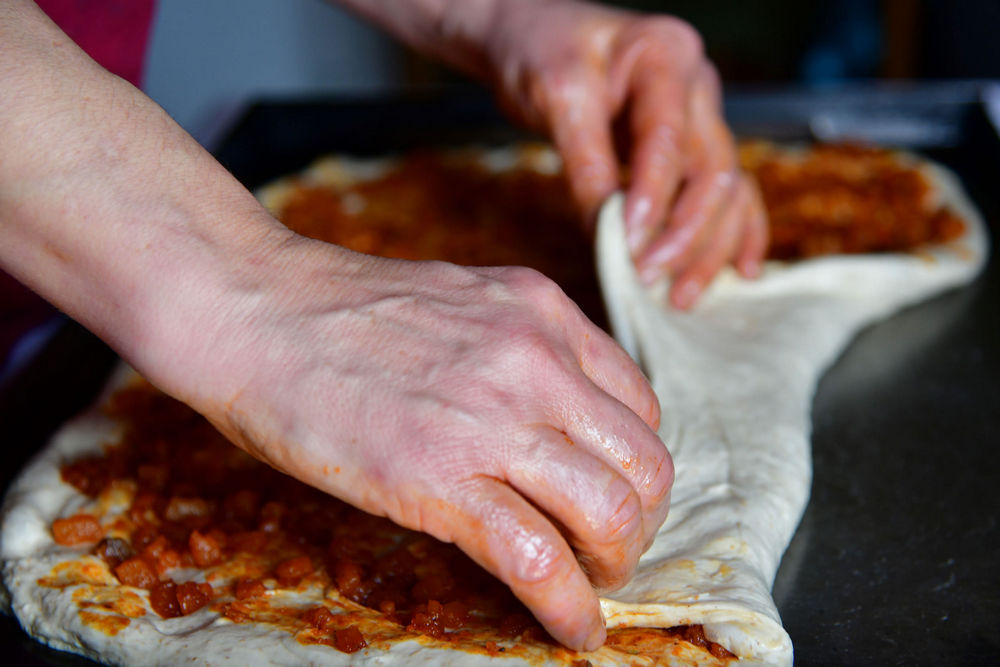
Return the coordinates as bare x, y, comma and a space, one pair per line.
610, 368
690, 226
581, 130
692, 279
615, 434
712, 160
505, 534
658, 119
599, 511
755, 234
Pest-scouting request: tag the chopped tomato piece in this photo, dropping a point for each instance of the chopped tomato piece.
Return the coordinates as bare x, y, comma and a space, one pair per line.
76, 530
454, 614
146, 508
192, 596
249, 588
291, 571
320, 618
349, 579
349, 639
136, 572
206, 549
156, 547
426, 623
163, 599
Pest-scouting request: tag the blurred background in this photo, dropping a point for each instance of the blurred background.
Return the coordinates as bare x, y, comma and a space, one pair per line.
205, 58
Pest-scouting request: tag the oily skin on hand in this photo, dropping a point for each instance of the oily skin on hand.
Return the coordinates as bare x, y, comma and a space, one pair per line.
477, 404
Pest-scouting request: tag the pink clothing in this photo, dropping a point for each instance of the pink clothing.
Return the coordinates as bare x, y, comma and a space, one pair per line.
113, 32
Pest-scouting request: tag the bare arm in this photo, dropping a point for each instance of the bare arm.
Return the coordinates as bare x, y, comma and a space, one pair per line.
476, 404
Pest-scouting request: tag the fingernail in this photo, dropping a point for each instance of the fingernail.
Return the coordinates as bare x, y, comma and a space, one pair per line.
685, 295
648, 274
750, 268
635, 216
597, 637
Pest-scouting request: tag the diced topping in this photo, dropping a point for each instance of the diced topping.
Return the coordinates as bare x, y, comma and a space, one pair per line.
206, 549
249, 588
136, 572
161, 555
320, 618
163, 599
842, 199
77, 530
349, 639
192, 596
349, 579
291, 571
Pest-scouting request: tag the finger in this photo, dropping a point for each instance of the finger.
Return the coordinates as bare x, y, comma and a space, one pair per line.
755, 236
713, 161
599, 511
691, 223
581, 130
621, 440
692, 279
505, 534
658, 123
610, 368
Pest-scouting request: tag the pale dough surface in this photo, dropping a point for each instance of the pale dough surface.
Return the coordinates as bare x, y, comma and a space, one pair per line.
735, 379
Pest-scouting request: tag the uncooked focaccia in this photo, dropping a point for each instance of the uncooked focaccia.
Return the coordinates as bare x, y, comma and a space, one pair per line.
735, 378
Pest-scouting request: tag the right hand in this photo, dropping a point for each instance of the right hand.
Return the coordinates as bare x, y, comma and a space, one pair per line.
476, 404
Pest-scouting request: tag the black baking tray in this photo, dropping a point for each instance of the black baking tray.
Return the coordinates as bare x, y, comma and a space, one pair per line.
896, 558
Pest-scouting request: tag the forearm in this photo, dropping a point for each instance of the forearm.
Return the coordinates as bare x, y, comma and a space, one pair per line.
107, 208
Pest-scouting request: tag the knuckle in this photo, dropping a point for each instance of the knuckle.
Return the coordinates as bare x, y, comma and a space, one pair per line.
681, 36
660, 478
538, 290
624, 513
538, 561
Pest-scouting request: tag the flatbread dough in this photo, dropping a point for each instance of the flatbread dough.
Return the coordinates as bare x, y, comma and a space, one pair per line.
736, 378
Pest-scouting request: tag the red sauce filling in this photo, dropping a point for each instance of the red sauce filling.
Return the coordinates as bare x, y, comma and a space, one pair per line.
202, 503
274, 532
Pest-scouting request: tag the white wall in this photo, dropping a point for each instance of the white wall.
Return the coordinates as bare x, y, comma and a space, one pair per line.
207, 56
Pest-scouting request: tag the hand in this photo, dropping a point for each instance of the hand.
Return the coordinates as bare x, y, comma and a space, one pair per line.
476, 404
578, 71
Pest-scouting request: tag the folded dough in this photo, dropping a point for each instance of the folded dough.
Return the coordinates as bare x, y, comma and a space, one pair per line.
736, 378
